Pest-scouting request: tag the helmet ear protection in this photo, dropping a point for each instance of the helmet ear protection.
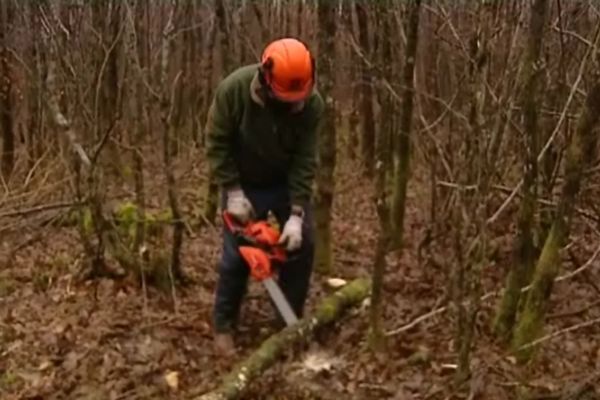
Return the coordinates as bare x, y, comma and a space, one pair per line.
265, 72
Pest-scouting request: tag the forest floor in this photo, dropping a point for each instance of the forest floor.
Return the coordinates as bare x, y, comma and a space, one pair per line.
62, 339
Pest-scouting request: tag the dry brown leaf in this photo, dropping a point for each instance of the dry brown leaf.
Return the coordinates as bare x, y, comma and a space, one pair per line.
336, 283
512, 360
45, 365
172, 379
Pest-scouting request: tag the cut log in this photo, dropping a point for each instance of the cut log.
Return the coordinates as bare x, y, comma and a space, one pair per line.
234, 384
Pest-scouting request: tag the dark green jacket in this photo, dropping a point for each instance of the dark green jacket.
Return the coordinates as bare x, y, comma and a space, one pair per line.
250, 146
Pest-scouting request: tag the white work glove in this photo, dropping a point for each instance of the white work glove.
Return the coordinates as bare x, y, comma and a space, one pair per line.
292, 233
239, 206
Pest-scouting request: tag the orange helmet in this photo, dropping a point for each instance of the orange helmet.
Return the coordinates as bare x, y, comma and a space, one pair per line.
287, 70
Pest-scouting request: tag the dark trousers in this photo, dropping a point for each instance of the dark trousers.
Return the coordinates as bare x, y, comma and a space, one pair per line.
294, 275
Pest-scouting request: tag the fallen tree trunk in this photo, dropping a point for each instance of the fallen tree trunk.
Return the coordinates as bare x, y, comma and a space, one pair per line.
234, 384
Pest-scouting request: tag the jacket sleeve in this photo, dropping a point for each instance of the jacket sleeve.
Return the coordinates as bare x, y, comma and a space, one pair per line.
303, 165
220, 127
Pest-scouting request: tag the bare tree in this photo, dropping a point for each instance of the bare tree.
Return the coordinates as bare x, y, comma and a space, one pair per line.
7, 159
35, 125
211, 188
327, 138
580, 153
472, 208
366, 79
167, 106
402, 148
137, 96
522, 269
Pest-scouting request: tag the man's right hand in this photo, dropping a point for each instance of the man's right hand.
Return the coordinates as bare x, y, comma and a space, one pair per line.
239, 206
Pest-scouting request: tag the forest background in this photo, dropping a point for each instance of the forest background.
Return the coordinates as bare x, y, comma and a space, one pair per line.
456, 196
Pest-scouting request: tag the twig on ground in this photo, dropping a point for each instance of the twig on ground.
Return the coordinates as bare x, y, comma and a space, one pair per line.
581, 387
154, 324
234, 384
560, 333
42, 207
584, 213
24, 244
486, 296
574, 312
579, 270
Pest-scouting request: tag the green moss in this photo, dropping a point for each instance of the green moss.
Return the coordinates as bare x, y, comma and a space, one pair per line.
323, 261
127, 212
8, 379
530, 327
7, 286
69, 219
237, 380
531, 321
127, 172
165, 216
420, 357
87, 223
126, 216
523, 393
505, 317
61, 262
327, 310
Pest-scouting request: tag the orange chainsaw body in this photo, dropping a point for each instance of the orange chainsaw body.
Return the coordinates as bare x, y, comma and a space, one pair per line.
259, 248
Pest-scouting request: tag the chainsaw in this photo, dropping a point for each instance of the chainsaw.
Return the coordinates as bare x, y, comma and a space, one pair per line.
258, 245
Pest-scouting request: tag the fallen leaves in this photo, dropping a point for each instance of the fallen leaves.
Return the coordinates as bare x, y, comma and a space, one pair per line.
320, 361
46, 364
111, 351
336, 283
172, 380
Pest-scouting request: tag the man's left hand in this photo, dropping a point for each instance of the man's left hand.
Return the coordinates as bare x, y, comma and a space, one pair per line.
292, 233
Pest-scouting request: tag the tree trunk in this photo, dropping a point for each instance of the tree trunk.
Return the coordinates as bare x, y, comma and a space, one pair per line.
376, 337
352, 141
194, 39
474, 203
551, 162
368, 123
327, 139
7, 159
520, 274
235, 383
580, 154
207, 76
224, 36
211, 202
402, 148
300, 18
169, 94
106, 19
264, 32
137, 133
383, 154
34, 100
387, 116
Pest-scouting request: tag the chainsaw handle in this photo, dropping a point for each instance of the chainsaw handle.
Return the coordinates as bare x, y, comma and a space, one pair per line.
231, 223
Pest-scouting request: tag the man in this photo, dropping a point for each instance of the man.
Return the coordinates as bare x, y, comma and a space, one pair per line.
261, 137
